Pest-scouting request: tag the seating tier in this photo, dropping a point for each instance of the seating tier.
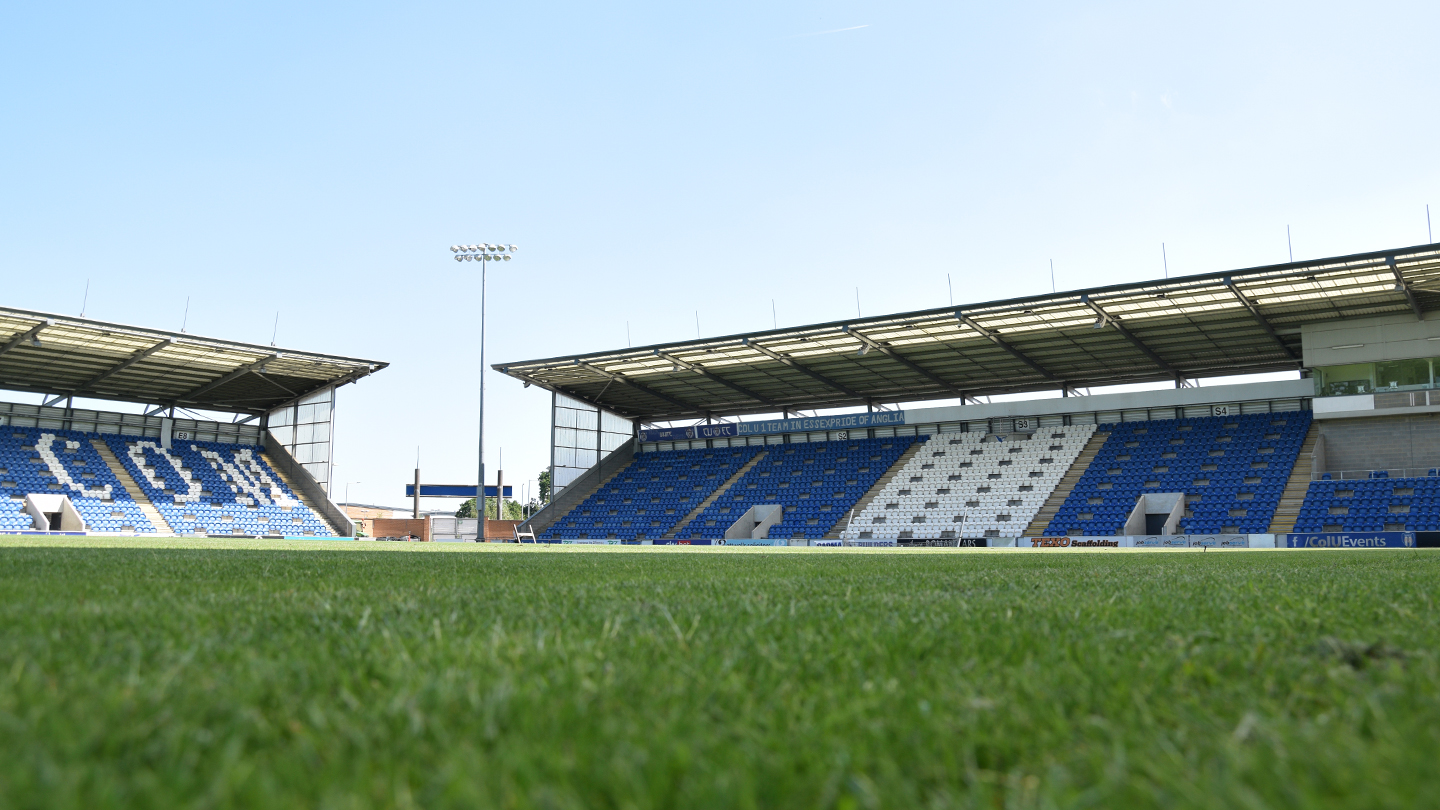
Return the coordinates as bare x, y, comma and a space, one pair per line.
62, 462
651, 494
1373, 505
1231, 469
215, 488
971, 485
816, 482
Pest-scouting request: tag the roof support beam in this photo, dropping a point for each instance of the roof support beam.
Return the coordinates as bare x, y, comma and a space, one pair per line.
901, 359
1401, 286
1105, 318
996, 339
814, 375
642, 387
299, 395
236, 374
127, 363
555, 389
710, 375
1259, 318
33, 334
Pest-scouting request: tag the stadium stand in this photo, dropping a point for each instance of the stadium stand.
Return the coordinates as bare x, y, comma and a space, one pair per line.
1231, 469
971, 485
816, 482
1356, 390
215, 488
34, 460
650, 495
1376, 504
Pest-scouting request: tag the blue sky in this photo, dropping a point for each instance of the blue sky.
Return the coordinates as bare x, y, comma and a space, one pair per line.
658, 160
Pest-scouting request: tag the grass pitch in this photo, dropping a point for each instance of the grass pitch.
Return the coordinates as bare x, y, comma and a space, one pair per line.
353, 675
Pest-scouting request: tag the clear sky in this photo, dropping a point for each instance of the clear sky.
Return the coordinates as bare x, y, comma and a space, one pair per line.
658, 160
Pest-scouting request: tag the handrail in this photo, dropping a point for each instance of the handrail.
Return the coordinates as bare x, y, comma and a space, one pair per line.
1361, 475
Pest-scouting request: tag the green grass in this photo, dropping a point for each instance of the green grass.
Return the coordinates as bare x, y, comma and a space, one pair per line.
359, 675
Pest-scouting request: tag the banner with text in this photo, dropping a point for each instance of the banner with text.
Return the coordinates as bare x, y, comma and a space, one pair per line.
1349, 540
849, 421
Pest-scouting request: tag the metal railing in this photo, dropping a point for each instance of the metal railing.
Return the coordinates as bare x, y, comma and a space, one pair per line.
1360, 475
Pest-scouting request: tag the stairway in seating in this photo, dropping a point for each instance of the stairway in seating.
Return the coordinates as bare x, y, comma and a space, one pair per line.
303, 498
548, 522
834, 533
720, 490
1067, 484
131, 488
1283, 521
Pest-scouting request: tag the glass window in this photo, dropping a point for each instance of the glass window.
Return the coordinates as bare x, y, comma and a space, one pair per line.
1356, 378
1402, 375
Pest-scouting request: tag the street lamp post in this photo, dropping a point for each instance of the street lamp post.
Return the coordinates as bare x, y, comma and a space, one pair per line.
482, 253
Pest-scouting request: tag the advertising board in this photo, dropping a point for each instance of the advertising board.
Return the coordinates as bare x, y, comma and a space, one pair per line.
1145, 541
1348, 540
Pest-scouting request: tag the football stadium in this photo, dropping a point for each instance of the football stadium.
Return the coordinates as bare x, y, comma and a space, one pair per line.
662, 444
1028, 553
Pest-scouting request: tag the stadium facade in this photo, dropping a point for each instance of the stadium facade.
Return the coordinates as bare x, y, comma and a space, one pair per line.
173, 468
759, 437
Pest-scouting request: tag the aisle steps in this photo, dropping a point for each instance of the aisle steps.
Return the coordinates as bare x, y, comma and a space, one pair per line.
303, 498
714, 496
131, 488
870, 494
1293, 498
1067, 484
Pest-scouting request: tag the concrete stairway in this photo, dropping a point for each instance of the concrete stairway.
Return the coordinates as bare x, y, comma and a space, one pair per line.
279, 473
1283, 521
581, 498
714, 496
834, 533
131, 488
1067, 484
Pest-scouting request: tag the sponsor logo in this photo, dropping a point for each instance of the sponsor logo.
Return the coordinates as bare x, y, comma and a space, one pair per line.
1363, 540
1073, 542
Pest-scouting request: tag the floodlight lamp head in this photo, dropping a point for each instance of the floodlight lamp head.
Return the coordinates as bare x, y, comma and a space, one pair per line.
1099, 324
864, 348
459, 257
454, 248
506, 257
514, 249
